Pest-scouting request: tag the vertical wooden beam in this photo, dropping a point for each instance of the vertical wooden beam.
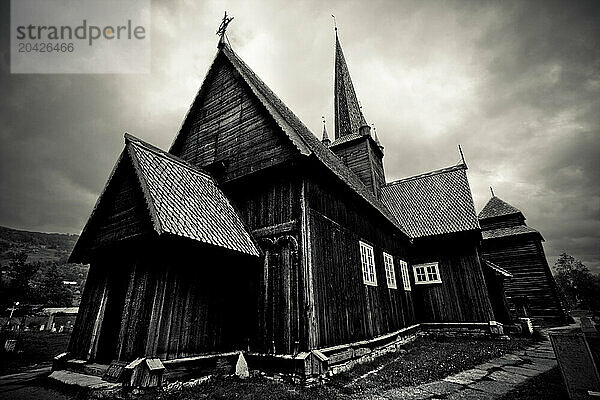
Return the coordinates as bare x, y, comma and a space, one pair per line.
125, 315
98, 322
305, 246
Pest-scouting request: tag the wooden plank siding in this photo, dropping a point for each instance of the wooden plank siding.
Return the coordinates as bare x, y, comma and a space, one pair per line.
122, 214
463, 295
227, 124
362, 159
346, 309
167, 304
532, 281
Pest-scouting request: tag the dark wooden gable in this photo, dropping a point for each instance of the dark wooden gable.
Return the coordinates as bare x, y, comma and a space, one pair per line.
121, 213
227, 130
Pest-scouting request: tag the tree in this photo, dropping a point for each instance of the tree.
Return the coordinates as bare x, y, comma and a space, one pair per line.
52, 289
577, 285
22, 273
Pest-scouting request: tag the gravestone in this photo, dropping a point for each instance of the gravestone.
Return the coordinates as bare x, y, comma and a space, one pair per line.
576, 364
526, 326
241, 367
587, 326
496, 328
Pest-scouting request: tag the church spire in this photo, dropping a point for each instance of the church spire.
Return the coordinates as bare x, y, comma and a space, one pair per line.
349, 118
325, 139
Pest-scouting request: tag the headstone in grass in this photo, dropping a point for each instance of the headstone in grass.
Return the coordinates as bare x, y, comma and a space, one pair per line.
241, 367
576, 364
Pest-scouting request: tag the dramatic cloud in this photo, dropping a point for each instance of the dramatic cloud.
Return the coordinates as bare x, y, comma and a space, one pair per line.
517, 84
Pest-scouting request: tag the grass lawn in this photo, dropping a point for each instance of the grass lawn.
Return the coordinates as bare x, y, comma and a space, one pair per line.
38, 350
425, 360
547, 386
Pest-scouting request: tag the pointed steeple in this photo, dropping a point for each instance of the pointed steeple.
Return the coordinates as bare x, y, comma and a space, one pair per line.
325, 139
349, 118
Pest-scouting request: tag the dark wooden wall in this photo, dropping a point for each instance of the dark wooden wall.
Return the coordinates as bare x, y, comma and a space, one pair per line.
363, 159
167, 299
345, 309
503, 221
463, 295
227, 124
122, 213
532, 281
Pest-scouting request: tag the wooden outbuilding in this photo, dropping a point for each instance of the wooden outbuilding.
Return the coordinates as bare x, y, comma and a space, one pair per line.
516, 247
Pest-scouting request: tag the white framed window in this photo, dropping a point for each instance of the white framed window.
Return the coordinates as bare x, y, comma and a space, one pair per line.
405, 277
368, 264
427, 273
390, 274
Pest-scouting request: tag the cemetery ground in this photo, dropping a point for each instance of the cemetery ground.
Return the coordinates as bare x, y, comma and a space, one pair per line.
38, 350
424, 361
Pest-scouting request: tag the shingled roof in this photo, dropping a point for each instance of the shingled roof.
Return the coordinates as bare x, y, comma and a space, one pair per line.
509, 231
303, 139
497, 208
434, 203
349, 117
182, 200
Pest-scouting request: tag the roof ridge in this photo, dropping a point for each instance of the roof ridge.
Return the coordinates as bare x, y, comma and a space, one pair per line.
456, 167
297, 131
497, 208
129, 138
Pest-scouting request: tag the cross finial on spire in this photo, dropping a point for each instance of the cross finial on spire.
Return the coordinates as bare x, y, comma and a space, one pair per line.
325, 139
492, 190
223, 28
334, 23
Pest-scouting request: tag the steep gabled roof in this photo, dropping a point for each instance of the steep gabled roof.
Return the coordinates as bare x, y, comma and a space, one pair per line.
304, 140
182, 201
434, 203
516, 230
497, 208
348, 115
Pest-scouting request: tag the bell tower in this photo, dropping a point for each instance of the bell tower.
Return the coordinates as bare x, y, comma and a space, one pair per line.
354, 143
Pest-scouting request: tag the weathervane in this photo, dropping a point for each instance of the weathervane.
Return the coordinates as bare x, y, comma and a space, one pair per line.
334, 24
223, 27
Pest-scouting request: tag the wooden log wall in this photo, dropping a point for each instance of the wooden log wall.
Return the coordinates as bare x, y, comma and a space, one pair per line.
503, 221
361, 158
177, 301
122, 212
532, 281
346, 309
463, 295
226, 123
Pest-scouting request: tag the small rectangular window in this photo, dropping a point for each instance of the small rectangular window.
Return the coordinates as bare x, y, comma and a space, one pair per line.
368, 264
390, 274
405, 277
427, 273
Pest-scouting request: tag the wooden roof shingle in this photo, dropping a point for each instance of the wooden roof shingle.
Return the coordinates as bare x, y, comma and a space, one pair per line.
434, 203
181, 200
496, 207
186, 202
509, 231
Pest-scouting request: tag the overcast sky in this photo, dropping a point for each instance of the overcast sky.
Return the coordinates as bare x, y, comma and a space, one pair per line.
517, 84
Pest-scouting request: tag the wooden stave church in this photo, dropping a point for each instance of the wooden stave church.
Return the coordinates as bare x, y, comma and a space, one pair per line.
303, 207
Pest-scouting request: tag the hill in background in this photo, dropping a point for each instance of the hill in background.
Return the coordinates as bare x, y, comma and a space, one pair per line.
38, 245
